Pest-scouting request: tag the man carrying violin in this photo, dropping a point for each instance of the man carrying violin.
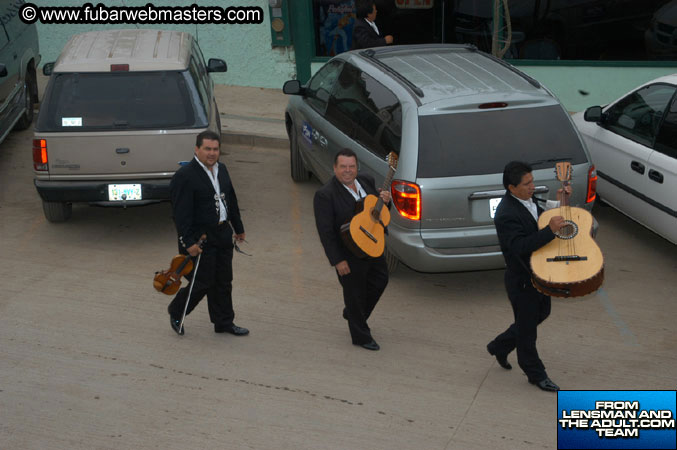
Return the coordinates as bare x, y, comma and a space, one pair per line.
204, 203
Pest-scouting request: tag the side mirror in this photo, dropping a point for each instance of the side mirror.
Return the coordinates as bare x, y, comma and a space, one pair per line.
216, 65
48, 68
3, 70
593, 114
292, 87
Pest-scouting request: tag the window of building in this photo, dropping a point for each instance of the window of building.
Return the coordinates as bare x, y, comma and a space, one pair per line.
618, 30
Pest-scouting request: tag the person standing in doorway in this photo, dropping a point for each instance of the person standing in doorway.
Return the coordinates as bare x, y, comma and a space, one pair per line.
365, 31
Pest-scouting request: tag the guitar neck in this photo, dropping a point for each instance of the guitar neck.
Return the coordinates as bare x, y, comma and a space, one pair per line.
386, 185
565, 196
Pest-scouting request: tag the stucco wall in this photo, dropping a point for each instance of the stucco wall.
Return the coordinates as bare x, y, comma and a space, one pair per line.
247, 50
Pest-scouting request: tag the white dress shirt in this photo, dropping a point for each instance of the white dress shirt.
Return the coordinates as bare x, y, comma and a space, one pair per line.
360, 192
530, 205
214, 178
373, 25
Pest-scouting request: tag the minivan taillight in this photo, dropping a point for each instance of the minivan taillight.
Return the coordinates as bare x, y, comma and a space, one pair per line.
407, 199
592, 184
40, 154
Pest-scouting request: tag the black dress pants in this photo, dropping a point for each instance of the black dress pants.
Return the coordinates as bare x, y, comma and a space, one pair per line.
530, 308
362, 289
214, 279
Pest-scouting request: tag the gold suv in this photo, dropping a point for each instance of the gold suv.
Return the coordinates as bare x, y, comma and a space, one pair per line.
119, 116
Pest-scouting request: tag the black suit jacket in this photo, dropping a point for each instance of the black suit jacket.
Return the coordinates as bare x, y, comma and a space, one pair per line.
194, 206
364, 36
518, 235
334, 206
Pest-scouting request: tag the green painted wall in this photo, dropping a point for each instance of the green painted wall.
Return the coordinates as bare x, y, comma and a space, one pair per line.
602, 83
252, 61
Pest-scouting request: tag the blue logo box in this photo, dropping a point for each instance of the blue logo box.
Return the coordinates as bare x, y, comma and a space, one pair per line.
616, 419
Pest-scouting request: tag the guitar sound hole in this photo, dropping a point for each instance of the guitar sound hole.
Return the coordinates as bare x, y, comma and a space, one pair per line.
568, 231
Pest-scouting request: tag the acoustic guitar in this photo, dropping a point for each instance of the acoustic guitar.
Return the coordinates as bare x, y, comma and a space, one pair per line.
364, 234
571, 265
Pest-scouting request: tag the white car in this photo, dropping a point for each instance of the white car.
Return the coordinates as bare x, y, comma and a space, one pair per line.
633, 144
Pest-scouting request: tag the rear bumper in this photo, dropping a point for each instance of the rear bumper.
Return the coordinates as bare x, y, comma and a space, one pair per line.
408, 246
152, 190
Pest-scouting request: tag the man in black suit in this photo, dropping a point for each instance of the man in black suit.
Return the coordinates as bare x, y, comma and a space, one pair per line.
518, 234
365, 31
363, 280
204, 203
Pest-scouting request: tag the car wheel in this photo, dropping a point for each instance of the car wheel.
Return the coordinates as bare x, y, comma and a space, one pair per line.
391, 261
27, 117
298, 169
57, 211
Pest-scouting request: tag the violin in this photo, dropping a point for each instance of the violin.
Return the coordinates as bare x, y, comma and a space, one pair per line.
169, 281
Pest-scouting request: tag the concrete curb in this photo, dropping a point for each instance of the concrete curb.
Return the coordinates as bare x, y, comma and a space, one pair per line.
238, 138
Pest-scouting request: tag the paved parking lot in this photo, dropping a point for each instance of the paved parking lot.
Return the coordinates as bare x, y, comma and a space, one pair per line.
88, 359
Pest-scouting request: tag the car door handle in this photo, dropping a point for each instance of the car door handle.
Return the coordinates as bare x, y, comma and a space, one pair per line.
637, 167
120, 151
656, 176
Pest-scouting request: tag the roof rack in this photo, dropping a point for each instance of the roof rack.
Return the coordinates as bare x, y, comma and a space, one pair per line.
370, 55
512, 68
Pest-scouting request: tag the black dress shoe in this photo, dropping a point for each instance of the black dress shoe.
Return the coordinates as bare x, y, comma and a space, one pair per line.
232, 329
546, 385
176, 325
370, 345
501, 359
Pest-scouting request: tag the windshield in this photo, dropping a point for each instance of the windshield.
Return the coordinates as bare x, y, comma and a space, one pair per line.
481, 143
121, 100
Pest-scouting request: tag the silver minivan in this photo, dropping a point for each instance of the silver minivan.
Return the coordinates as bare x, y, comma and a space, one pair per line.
455, 116
119, 116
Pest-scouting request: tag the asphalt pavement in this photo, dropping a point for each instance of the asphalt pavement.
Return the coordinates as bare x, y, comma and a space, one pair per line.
88, 359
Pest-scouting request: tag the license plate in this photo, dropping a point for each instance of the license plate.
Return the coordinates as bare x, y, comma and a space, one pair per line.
122, 192
493, 204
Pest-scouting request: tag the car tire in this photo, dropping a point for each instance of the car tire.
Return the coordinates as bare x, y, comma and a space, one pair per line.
391, 261
57, 211
27, 117
299, 172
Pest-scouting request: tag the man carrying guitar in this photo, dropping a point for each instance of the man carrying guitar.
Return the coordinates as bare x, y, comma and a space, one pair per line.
518, 234
363, 280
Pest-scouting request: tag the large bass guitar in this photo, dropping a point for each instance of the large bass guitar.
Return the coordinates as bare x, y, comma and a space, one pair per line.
364, 235
571, 265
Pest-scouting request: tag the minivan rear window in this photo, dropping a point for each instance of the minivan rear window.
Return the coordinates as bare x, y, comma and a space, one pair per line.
121, 100
482, 142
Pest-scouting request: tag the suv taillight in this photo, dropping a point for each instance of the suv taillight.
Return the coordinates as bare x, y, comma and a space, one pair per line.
40, 154
592, 184
407, 199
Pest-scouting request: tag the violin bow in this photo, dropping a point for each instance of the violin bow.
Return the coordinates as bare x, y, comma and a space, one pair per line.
202, 240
